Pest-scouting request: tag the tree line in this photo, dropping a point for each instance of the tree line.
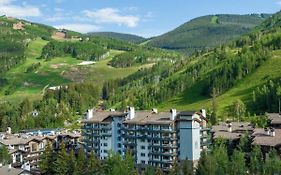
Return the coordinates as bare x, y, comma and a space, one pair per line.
53, 110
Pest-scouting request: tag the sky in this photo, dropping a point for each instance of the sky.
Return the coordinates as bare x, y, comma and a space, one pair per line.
146, 18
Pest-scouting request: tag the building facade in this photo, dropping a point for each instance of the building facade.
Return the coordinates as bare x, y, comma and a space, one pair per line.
154, 138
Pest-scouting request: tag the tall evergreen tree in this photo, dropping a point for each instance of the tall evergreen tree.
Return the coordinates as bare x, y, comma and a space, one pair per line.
72, 165
272, 163
46, 161
221, 157
237, 164
81, 162
94, 166
256, 161
5, 157
175, 168
61, 164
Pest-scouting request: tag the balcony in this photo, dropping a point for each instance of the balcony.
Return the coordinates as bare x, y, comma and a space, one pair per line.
130, 143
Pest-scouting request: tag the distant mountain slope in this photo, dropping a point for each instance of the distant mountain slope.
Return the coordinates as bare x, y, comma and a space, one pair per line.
119, 36
244, 73
207, 32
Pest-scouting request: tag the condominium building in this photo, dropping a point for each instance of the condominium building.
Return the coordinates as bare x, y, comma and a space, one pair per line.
154, 138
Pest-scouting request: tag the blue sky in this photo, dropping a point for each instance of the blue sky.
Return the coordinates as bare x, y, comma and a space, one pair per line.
142, 17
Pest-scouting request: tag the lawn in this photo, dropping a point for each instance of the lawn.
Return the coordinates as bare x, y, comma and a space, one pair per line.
57, 71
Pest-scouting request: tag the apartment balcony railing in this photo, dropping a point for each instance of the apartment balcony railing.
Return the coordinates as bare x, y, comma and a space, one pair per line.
163, 153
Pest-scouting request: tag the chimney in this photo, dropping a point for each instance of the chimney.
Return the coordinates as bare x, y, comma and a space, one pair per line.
131, 113
26, 166
9, 130
267, 131
229, 125
154, 111
89, 114
203, 111
173, 114
272, 132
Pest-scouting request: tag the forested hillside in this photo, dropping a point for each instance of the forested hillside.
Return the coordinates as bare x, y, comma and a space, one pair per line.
119, 36
206, 79
207, 32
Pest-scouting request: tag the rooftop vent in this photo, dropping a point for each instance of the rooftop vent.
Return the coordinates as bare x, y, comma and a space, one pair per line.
154, 111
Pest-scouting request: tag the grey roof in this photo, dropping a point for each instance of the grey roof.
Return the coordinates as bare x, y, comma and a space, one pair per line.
274, 118
149, 117
238, 129
227, 135
14, 140
260, 137
5, 170
102, 116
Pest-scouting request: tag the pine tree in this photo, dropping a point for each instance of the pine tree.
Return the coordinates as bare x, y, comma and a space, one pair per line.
187, 167
175, 168
128, 164
94, 166
256, 162
81, 162
46, 161
206, 165
159, 171
272, 164
61, 163
221, 157
237, 164
149, 171
72, 163
5, 157
213, 118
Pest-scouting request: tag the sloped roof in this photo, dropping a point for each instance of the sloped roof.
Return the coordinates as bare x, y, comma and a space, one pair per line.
102, 116
5, 170
260, 137
274, 118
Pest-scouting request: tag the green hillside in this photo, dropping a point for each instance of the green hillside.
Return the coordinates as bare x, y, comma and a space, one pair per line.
244, 73
119, 36
207, 32
58, 71
192, 98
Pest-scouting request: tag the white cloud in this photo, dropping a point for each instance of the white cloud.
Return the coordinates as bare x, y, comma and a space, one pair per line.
110, 15
6, 8
3, 2
54, 18
82, 28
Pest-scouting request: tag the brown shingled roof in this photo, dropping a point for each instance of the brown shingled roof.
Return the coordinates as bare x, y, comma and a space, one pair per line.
274, 118
236, 127
260, 137
148, 117
102, 116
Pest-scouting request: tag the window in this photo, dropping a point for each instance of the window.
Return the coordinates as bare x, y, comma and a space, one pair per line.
105, 144
142, 147
142, 154
143, 162
155, 141
119, 145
